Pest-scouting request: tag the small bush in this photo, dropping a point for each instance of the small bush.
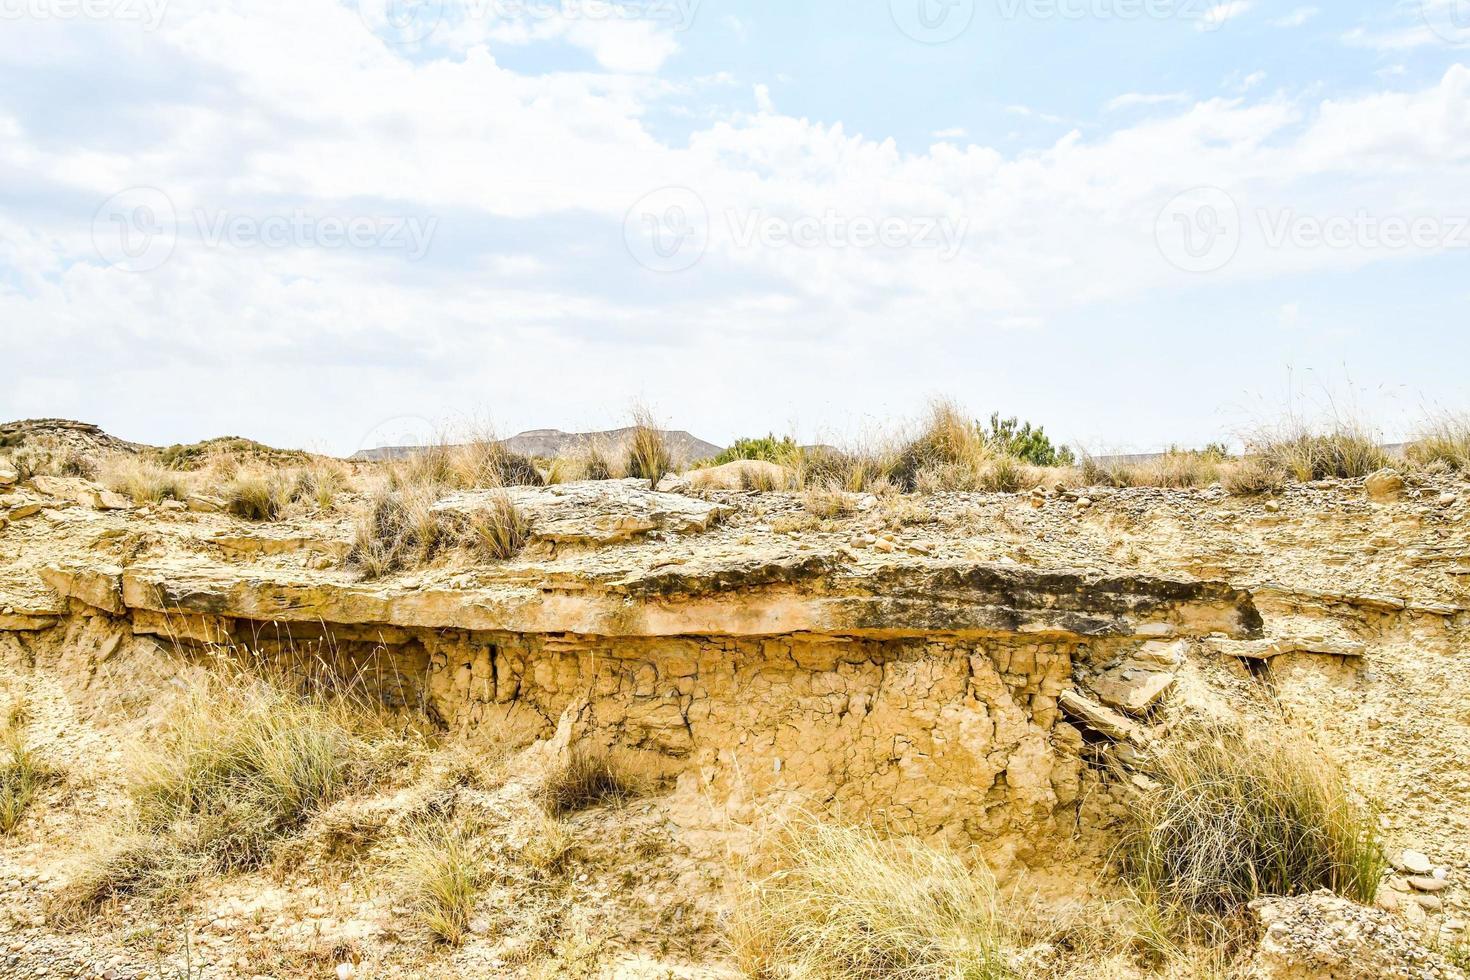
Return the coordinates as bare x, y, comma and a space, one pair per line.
1252, 475
401, 529
1445, 440
828, 502
1345, 452
1005, 474
137, 864
648, 452
1180, 469
319, 485
1010, 437
767, 449
144, 481
847, 905
1098, 471
242, 764
585, 778
23, 774
500, 530
256, 495
1233, 818
439, 869
824, 467
948, 439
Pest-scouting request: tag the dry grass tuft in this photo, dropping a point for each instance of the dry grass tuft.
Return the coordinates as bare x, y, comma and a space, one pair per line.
583, 779
950, 447
401, 529
1346, 451
648, 452
1252, 475
23, 773
144, 481
439, 868
845, 904
1445, 440
1236, 817
500, 530
829, 501
256, 495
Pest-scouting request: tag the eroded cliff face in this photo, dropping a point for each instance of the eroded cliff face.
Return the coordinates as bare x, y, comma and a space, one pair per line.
990, 675
929, 701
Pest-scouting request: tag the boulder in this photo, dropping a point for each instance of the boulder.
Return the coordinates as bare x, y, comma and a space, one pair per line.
1385, 486
8, 475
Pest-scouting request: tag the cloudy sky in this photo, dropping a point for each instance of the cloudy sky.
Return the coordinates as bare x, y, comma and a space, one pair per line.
327, 224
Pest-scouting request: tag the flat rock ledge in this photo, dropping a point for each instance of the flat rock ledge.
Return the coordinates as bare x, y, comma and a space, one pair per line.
800, 594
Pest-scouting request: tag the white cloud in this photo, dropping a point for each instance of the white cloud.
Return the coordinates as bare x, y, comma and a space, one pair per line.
1131, 99
1296, 18
532, 178
953, 133
1223, 11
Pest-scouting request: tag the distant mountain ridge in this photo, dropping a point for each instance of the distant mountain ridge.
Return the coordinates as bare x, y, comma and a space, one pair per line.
547, 443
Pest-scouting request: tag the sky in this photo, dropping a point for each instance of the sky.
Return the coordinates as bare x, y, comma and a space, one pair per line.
334, 225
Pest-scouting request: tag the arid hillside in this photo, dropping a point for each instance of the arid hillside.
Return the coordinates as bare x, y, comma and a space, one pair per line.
929, 711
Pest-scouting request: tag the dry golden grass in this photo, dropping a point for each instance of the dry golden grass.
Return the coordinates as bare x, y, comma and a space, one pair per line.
500, 530
439, 867
845, 904
235, 769
648, 453
1234, 817
23, 771
257, 494
584, 778
400, 529
1252, 475
1345, 450
827, 502
143, 480
1444, 440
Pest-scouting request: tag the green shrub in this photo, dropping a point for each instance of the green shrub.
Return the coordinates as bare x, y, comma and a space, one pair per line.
1011, 437
767, 449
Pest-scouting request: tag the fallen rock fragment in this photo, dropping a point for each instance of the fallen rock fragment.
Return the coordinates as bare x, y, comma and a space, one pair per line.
1131, 689
1104, 721
1384, 487
8, 476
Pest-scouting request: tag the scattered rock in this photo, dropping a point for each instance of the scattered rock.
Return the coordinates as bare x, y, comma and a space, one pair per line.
1131, 689
1324, 935
8, 476
203, 503
1429, 884
1385, 486
1416, 863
